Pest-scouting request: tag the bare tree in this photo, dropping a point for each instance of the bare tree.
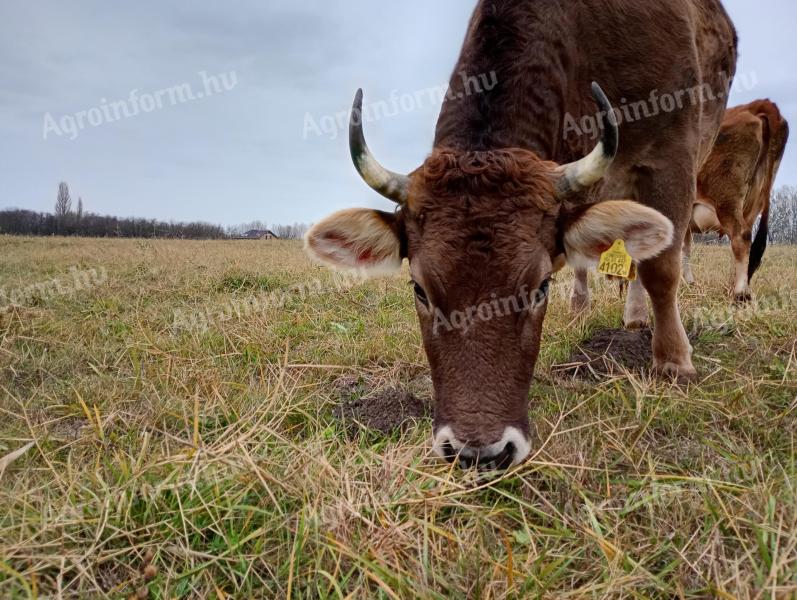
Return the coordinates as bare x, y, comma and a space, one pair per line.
238, 230
63, 205
783, 216
291, 232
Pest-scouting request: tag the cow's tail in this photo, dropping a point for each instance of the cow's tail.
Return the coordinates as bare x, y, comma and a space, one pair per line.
776, 134
759, 245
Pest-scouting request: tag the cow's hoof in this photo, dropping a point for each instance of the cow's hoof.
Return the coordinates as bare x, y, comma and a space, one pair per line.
579, 304
680, 374
637, 324
742, 298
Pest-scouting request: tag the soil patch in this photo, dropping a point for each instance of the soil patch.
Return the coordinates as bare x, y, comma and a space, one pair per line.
610, 352
387, 410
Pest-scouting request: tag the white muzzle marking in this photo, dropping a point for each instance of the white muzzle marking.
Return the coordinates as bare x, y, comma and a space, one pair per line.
445, 436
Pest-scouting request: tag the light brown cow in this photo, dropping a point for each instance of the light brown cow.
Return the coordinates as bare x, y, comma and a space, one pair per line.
735, 187
511, 189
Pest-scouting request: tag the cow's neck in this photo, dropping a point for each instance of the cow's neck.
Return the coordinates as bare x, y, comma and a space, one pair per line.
508, 88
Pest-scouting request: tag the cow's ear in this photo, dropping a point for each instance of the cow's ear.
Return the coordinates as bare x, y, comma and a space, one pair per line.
361, 240
645, 231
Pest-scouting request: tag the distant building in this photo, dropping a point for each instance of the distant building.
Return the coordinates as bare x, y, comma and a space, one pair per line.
259, 234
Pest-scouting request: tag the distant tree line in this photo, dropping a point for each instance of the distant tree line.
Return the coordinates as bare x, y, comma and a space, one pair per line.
68, 222
28, 222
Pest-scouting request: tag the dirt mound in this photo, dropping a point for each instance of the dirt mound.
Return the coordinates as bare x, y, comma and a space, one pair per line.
387, 410
610, 352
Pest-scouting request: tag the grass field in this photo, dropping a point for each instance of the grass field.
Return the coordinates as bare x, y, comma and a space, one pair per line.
180, 406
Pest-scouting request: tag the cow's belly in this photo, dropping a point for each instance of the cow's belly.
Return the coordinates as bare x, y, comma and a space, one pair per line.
704, 219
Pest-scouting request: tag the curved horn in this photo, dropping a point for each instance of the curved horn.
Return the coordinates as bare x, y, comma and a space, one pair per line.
391, 185
582, 174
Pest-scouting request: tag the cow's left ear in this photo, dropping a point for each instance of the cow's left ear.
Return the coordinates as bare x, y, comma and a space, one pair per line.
645, 231
361, 240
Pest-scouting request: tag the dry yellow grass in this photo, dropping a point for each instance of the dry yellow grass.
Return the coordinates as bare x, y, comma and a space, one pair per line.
201, 458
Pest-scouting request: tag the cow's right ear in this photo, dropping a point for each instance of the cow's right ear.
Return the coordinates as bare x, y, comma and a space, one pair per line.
360, 240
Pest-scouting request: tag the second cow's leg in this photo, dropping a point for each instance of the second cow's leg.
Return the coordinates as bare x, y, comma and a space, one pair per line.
636, 314
741, 240
579, 297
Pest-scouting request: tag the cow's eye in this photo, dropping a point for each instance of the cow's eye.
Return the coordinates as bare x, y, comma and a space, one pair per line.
420, 294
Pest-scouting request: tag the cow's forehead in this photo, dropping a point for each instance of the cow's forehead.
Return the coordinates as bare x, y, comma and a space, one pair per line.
500, 218
500, 221
493, 245
493, 181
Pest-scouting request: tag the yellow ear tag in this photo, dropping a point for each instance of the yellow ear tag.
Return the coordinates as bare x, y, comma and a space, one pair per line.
616, 262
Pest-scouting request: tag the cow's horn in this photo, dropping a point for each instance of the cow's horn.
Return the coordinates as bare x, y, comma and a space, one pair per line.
391, 185
586, 172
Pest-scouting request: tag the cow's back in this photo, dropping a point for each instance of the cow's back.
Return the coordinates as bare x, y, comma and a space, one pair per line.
546, 53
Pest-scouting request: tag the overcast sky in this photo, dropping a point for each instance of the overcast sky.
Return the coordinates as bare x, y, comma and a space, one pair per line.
260, 145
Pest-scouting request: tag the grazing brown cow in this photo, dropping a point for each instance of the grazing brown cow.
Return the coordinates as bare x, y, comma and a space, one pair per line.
510, 191
735, 186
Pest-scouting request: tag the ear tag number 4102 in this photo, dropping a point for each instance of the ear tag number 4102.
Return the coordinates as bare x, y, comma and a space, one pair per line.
616, 262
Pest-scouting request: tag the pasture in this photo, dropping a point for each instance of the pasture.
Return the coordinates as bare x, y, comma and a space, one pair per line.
195, 417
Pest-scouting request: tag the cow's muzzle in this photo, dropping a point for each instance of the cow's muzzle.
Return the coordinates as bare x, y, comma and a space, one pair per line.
512, 449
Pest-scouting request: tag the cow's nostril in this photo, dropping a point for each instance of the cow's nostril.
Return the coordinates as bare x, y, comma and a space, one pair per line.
449, 453
466, 462
507, 457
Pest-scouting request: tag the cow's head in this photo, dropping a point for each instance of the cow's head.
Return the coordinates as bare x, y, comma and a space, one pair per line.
484, 232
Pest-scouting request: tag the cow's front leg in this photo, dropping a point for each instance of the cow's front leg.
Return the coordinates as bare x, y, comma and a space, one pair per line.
671, 191
671, 350
579, 296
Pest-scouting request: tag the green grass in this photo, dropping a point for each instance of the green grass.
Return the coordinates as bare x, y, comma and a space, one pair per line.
208, 453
